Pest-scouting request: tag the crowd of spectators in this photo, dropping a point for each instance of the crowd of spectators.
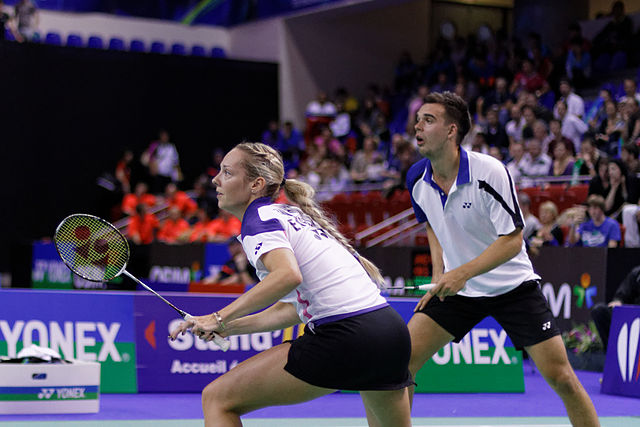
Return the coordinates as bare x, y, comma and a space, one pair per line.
527, 111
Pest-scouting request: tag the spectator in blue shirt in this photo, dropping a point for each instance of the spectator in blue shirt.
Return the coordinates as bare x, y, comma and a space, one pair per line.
599, 231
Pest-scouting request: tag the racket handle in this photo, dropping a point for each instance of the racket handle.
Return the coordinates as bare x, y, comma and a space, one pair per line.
223, 343
426, 287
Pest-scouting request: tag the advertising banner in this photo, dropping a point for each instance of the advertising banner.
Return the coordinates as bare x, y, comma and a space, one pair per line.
188, 364
622, 367
484, 361
173, 267
573, 281
86, 326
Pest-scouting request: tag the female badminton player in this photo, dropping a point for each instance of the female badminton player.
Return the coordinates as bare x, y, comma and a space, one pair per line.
353, 340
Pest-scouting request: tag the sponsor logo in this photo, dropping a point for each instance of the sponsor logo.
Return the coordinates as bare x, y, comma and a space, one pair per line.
258, 246
473, 347
466, 205
584, 292
217, 367
546, 326
71, 338
559, 301
62, 393
628, 358
252, 342
51, 271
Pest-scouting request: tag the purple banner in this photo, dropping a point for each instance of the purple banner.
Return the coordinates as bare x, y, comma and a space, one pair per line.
188, 364
622, 367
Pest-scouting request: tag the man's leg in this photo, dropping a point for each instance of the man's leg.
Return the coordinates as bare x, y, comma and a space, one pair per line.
550, 356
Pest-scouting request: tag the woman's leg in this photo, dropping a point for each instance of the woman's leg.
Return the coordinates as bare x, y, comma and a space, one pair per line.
255, 383
389, 408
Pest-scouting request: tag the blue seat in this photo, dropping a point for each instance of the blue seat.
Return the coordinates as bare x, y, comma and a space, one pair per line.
157, 47
95, 42
137, 46
74, 40
8, 35
178, 49
116, 44
197, 50
218, 52
53, 39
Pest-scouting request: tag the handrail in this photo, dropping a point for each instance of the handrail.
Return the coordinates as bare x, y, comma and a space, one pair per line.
392, 233
384, 223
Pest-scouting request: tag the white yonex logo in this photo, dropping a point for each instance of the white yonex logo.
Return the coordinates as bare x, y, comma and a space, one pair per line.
628, 350
46, 393
546, 325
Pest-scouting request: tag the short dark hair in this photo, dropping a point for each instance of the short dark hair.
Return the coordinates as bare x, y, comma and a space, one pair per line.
456, 110
632, 149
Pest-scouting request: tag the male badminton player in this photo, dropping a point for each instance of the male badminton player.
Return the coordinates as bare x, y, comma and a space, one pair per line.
474, 226
308, 273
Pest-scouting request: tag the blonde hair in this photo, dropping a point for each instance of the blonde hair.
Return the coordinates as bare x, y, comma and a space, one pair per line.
260, 160
550, 207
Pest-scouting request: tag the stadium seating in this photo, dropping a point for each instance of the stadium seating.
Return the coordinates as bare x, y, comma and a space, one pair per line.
178, 49
74, 40
197, 50
137, 46
218, 52
157, 47
95, 42
116, 44
53, 39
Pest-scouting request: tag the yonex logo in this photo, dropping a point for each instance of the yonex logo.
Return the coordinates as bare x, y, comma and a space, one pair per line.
546, 326
46, 393
628, 339
258, 246
466, 205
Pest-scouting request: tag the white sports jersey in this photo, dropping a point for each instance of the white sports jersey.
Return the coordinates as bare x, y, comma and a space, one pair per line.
481, 206
334, 284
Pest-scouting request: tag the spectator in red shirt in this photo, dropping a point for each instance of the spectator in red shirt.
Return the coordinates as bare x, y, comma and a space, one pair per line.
528, 79
223, 227
179, 199
174, 229
143, 226
199, 230
140, 195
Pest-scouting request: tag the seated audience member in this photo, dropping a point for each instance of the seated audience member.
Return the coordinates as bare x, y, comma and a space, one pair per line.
572, 126
223, 227
292, 145
596, 113
628, 292
142, 226
629, 155
610, 130
173, 229
598, 231
538, 163
272, 135
236, 270
555, 136
599, 184
624, 188
562, 161
139, 195
515, 125
578, 64
630, 113
363, 165
200, 230
531, 223
321, 106
496, 135
575, 103
549, 233
631, 221
528, 79
334, 178
588, 157
518, 163
179, 199
630, 88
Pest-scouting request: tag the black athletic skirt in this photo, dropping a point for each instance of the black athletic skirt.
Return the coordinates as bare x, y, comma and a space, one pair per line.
369, 351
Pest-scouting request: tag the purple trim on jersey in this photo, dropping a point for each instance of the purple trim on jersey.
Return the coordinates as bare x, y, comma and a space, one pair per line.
251, 222
336, 317
306, 305
413, 175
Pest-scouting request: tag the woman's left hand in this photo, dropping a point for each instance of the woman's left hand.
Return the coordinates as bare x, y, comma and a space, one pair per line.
200, 326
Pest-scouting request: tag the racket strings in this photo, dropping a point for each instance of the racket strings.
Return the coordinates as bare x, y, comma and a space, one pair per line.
91, 247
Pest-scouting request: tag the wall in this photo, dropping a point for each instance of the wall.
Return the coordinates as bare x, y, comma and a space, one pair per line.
351, 47
604, 6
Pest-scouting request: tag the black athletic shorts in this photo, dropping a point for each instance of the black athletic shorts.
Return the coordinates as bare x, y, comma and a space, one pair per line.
523, 312
369, 351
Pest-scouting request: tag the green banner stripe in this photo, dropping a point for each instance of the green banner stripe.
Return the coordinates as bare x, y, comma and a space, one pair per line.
34, 397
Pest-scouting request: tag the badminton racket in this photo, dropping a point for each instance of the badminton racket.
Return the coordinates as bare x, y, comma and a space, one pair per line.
96, 250
426, 287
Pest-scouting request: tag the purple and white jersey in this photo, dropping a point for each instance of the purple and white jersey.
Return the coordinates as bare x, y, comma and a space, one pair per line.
334, 284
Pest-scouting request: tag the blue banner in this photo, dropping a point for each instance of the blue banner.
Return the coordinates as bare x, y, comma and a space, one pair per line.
622, 367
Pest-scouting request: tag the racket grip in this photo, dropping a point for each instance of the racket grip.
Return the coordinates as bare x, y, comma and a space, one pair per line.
223, 343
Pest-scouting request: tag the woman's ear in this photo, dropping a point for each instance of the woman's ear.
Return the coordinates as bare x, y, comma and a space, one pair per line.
258, 185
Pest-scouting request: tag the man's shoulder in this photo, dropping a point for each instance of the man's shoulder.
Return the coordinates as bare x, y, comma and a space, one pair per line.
415, 172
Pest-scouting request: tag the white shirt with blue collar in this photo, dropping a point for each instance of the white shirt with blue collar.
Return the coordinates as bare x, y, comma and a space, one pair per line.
480, 207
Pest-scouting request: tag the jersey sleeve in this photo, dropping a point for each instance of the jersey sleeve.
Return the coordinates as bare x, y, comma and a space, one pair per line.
261, 235
413, 175
502, 202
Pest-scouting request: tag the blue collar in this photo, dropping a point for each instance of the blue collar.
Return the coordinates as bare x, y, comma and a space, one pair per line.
464, 174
